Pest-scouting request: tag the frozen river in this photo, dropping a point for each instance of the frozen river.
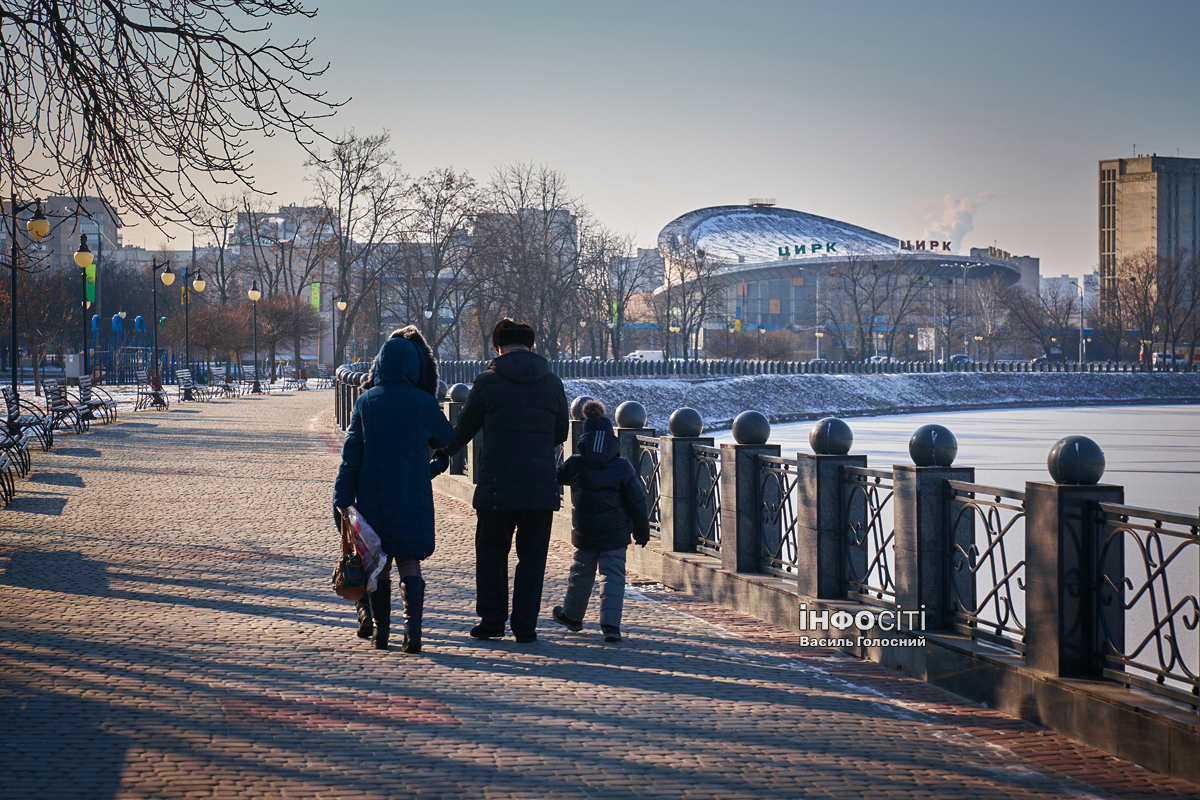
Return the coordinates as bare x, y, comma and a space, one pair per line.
1154, 451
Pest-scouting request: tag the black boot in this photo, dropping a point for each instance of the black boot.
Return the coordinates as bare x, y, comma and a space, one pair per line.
412, 590
381, 610
366, 623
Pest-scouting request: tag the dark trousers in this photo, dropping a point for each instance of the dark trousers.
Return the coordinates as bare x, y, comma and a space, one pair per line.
493, 539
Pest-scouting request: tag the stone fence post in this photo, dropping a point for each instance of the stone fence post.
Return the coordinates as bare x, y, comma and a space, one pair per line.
742, 532
923, 523
677, 479
630, 424
820, 536
1060, 593
458, 462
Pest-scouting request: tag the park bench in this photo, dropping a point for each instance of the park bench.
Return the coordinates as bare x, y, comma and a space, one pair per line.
25, 418
221, 385
295, 381
99, 402
8, 486
148, 396
224, 386
60, 409
14, 442
324, 379
183, 377
248, 374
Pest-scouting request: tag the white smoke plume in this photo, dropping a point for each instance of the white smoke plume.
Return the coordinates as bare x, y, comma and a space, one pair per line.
950, 218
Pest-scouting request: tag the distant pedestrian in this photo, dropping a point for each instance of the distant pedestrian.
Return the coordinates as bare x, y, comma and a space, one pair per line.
520, 408
608, 504
385, 473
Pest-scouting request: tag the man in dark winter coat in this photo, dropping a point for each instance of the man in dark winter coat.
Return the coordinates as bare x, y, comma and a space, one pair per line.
521, 410
385, 474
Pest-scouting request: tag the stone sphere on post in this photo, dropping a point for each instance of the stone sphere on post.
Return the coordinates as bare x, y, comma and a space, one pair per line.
685, 423
442, 390
1076, 460
631, 414
577, 406
459, 392
933, 446
751, 427
830, 437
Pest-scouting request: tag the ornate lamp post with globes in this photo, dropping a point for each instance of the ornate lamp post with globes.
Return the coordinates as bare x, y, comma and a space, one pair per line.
168, 278
39, 228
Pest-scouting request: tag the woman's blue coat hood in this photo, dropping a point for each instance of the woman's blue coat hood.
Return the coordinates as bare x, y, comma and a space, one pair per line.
399, 361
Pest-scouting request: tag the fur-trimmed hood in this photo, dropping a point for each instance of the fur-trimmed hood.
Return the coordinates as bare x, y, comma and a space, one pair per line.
428, 376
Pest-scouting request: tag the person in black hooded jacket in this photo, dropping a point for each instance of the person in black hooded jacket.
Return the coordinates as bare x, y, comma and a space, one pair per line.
607, 504
520, 409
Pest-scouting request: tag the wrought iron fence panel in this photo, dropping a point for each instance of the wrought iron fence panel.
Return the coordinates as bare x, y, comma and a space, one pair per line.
986, 567
777, 482
870, 535
648, 471
1145, 578
707, 461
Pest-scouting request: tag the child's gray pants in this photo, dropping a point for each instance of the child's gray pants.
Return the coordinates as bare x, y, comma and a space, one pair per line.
612, 585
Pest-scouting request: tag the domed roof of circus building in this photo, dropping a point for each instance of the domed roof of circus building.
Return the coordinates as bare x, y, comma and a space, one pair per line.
759, 234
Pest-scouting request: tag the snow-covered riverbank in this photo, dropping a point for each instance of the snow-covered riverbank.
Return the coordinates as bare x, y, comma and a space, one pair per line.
785, 398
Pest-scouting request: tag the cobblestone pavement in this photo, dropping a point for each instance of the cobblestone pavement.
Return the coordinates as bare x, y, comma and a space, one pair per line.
167, 630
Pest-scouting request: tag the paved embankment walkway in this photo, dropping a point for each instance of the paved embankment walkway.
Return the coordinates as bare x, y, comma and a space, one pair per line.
167, 630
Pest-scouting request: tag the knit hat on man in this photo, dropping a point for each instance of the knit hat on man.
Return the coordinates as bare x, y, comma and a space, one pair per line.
594, 419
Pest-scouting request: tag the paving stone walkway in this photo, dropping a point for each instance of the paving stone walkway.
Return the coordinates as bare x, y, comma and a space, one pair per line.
167, 631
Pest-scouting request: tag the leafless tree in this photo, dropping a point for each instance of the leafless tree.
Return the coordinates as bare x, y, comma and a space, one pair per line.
366, 194
432, 270
148, 102
1045, 319
530, 257
219, 220
1138, 286
988, 311
691, 294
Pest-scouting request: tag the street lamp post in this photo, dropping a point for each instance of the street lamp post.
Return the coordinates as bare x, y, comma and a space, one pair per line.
168, 278
38, 227
83, 259
254, 294
198, 285
339, 303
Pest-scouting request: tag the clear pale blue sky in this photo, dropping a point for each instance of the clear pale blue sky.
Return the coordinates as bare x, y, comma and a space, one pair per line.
869, 112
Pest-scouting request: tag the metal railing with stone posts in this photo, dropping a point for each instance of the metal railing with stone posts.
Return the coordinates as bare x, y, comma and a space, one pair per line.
778, 479
708, 499
1145, 579
648, 472
987, 566
870, 535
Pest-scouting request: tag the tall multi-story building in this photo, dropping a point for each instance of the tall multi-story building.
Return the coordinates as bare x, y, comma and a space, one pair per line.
1146, 202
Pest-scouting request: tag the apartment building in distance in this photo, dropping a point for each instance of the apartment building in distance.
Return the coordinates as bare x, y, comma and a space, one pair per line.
1146, 202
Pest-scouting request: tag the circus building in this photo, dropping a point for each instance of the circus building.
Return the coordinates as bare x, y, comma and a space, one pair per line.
772, 262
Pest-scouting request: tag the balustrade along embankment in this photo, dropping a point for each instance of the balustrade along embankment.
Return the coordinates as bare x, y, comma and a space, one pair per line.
1058, 601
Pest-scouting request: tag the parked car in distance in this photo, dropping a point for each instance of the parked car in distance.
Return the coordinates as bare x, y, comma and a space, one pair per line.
1169, 359
818, 361
882, 360
645, 355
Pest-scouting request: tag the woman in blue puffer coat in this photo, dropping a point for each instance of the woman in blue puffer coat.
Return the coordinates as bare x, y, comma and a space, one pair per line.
385, 473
